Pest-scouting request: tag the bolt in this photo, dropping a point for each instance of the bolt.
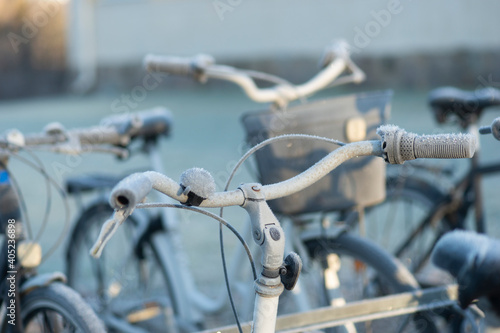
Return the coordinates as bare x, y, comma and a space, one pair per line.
256, 188
275, 234
256, 234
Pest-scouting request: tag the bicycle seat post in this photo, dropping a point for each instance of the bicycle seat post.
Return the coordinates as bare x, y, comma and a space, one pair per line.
268, 234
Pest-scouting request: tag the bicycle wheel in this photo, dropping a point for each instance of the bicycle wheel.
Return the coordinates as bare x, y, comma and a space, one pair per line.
125, 286
353, 268
57, 308
406, 223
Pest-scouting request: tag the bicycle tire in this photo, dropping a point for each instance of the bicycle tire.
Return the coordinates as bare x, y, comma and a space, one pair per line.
133, 292
400, 223
365, 264
58, 308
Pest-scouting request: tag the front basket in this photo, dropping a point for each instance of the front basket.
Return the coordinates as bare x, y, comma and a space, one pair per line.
358, 182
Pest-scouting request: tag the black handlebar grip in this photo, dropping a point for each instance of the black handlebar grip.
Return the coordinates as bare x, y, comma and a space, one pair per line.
400, 146
157, 121
147, 124
130, 191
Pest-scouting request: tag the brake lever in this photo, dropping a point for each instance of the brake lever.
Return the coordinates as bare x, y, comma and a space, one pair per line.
108, 230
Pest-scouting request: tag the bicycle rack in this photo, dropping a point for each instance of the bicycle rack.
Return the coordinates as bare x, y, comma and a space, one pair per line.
360, 311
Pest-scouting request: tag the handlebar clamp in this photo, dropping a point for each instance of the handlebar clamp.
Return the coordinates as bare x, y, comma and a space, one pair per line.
397, 144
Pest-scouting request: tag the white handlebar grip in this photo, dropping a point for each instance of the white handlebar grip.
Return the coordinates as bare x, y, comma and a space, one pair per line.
400, 146
170, 65
130, 191
178, 65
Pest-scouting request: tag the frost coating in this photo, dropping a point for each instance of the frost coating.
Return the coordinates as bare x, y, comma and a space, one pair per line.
321, 168
130, 191
199, 181
387, 129
400, 146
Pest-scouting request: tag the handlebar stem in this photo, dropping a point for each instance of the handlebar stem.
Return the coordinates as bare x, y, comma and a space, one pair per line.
269, 235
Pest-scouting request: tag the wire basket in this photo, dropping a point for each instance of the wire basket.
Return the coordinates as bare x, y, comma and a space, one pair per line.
358, 182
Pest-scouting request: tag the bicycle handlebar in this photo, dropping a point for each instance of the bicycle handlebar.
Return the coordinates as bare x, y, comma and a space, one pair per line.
335, 61
115, 130
178, 65
92, 135
196, 188
71, 142
399, 147
145, 124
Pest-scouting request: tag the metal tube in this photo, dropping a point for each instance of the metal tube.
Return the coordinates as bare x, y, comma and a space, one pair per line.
321, 168
265, 314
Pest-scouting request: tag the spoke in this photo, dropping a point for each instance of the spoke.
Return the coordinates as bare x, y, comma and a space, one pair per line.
96, 265
391, 213
412, 236
426, 255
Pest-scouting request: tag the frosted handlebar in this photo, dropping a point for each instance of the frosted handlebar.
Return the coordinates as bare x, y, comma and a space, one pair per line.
178, 65
400, 146
130, 191
198, 188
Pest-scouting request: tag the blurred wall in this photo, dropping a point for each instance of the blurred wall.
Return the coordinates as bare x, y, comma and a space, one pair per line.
117, 33
32, 47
